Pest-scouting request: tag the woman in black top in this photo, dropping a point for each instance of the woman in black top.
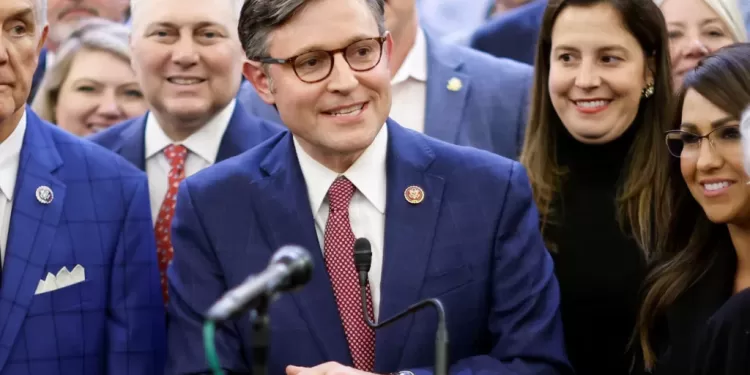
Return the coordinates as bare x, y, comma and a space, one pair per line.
705, 259
602, 84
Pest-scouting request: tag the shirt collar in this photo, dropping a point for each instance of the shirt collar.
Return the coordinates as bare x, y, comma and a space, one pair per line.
367, 173
10, 155
415, 64
205, 142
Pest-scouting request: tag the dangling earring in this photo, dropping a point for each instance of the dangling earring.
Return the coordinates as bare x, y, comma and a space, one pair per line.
648, 91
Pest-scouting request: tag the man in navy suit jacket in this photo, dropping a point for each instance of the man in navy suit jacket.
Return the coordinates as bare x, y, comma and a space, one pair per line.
449, 92
444, 221
242, 133
512, 35
79, 278
189, 81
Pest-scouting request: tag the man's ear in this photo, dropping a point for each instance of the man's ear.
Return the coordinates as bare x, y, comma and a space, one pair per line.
42, 39
388, 49
258, 76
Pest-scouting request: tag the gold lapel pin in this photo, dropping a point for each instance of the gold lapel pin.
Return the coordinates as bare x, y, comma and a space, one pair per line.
454, 84
414, 194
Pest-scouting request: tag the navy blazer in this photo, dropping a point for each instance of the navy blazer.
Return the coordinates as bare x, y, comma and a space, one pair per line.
512, 35
473, 242
98, 218
243, 133
488, 112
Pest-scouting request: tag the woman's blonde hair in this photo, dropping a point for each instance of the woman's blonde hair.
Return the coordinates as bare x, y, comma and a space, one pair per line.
92, 34
729, 12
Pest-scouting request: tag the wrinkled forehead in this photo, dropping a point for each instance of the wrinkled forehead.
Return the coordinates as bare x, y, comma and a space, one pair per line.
10, 9
185, 13
323, 25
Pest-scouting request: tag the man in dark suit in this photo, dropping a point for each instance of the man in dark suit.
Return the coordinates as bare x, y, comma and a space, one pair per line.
190, 82
446, 91
78, 265
444, 221
512, 35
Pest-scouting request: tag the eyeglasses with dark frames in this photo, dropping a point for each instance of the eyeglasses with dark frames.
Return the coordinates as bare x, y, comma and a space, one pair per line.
684, 144
315, 66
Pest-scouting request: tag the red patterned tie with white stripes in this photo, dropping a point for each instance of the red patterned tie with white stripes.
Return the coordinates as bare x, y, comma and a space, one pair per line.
176, 155
339, 257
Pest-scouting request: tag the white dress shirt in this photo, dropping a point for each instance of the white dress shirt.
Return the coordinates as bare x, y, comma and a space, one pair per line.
203, 145
409, 87
10, 156
49, 61
367, 208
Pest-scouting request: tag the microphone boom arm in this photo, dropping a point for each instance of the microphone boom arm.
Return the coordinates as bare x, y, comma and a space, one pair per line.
441, 336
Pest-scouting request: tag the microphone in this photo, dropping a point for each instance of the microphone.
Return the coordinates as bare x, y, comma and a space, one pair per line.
290, 268
363, 260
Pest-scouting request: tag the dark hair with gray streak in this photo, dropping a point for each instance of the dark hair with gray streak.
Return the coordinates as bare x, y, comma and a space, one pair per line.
259, 17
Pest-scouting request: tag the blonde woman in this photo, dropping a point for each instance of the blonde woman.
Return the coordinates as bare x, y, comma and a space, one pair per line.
91, 86
697, 28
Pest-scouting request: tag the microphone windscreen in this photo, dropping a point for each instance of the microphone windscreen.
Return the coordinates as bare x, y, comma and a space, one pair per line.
362, 254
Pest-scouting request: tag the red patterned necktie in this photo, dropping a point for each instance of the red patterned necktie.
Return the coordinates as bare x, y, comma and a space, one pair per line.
176, 155
339, 257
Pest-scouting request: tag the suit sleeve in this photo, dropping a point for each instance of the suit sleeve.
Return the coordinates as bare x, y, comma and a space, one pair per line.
524, 319
136, 327
196, 281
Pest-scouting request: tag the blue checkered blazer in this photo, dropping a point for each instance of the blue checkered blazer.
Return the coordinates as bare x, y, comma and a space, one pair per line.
99, 218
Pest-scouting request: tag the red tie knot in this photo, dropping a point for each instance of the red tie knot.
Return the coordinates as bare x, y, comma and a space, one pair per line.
340, 194
176, 155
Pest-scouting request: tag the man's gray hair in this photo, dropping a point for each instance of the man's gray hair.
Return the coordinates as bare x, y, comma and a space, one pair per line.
745, 136
260, 17
40, 14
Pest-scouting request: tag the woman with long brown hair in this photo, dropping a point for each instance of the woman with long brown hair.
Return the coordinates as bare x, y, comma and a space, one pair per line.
602, 87
705, 258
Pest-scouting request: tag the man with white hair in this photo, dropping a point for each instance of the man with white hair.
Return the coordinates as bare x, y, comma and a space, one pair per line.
188, 60
78, 290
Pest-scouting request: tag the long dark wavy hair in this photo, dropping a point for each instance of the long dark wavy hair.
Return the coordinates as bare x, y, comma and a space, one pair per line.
693, 243
643, 184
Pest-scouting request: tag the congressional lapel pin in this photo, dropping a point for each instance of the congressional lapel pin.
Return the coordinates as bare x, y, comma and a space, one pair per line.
454, 84
414, 194
44, 195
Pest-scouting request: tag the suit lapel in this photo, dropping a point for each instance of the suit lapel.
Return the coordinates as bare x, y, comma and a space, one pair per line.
284, 207
32, 230
133, 143
409, 232
447, 89
240, 136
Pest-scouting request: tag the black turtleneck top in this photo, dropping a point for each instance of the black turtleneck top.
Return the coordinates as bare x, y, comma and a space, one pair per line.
600, 268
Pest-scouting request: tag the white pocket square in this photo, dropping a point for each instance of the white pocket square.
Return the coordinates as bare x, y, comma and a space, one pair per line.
64, 278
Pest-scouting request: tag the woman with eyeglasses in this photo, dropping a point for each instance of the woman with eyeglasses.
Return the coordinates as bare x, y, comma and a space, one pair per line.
694, 290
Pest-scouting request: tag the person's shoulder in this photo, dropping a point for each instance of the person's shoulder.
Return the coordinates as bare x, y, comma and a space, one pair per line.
510, 23
494, 76
469, 163
490, 67
244, 168
82, 158
109, 136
